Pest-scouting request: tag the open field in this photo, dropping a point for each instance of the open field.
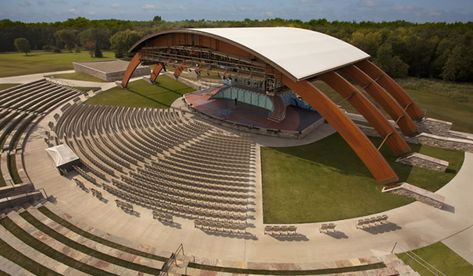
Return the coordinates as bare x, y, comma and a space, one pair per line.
143, 94
441, 257
14, 64
77, 76
442, 100
326, 181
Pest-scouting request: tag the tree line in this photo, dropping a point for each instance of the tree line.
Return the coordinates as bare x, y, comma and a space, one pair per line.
428, 50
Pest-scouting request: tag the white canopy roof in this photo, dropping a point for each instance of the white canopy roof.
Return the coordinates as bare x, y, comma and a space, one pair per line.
301, 53
61, 154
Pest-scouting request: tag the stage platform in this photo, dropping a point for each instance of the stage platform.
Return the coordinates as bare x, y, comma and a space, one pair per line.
254, 117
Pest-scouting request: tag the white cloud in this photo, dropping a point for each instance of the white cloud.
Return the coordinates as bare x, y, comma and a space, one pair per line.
368, 3
150, 7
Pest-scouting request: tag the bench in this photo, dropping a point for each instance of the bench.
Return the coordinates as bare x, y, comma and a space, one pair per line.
280, 230
371, 222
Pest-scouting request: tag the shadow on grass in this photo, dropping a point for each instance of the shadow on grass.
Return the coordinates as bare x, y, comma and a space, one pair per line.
334, 152
179, 92
148, 98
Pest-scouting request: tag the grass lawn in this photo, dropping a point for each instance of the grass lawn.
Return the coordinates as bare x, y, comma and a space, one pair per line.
442, 258
14, 64
326, 181
443, 100
143, 94
77, 76
7, 85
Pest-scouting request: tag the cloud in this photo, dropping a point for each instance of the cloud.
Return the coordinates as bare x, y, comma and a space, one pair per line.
150, 7
368, 3
342, 10
73, 11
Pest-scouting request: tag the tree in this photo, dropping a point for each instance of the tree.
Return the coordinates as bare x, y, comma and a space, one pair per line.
22, 45
157, 18
368, 42
122, 41
459, 65
67, 37
391, 64
94, 40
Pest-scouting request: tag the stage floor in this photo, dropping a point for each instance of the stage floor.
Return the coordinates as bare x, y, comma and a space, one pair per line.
297, 119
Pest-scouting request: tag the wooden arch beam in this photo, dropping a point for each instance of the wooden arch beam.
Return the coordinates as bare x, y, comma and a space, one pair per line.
132, 65
361, 145
156, 70
393, 88
385, 100
365, 107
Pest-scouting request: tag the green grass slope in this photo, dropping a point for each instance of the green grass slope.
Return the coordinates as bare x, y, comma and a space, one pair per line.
441, 257
143, 94
326, 181
15, 64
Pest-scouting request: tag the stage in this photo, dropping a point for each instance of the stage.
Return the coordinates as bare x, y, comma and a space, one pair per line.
251, 116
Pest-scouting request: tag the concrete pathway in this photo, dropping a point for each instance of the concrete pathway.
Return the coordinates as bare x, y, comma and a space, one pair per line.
32, 77
75, 83
462, 244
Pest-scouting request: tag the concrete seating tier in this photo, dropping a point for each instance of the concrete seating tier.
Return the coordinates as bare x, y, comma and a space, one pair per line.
162, 159
50, 245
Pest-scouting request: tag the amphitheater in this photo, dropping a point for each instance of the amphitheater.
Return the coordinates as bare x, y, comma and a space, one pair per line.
177, 192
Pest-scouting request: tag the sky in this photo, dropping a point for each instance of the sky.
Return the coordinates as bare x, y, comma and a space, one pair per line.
342, 10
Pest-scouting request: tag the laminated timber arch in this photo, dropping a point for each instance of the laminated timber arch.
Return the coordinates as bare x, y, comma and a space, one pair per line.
361, 145
155, 73
358, 100
389, 104
393, 88
288, 54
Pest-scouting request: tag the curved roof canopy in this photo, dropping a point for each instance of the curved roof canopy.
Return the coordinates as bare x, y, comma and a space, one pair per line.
299, 52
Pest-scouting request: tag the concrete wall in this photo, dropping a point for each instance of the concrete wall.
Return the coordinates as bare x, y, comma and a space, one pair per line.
108, 76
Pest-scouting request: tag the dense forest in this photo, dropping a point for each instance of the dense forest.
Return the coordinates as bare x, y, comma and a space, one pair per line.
428, 50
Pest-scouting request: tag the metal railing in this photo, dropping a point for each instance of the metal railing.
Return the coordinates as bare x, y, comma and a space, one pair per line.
422, 262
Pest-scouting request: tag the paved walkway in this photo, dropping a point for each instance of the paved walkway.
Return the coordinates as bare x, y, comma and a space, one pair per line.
32, 77
74, 83
462, 244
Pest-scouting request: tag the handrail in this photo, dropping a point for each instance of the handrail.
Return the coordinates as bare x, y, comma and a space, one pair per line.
425, 264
